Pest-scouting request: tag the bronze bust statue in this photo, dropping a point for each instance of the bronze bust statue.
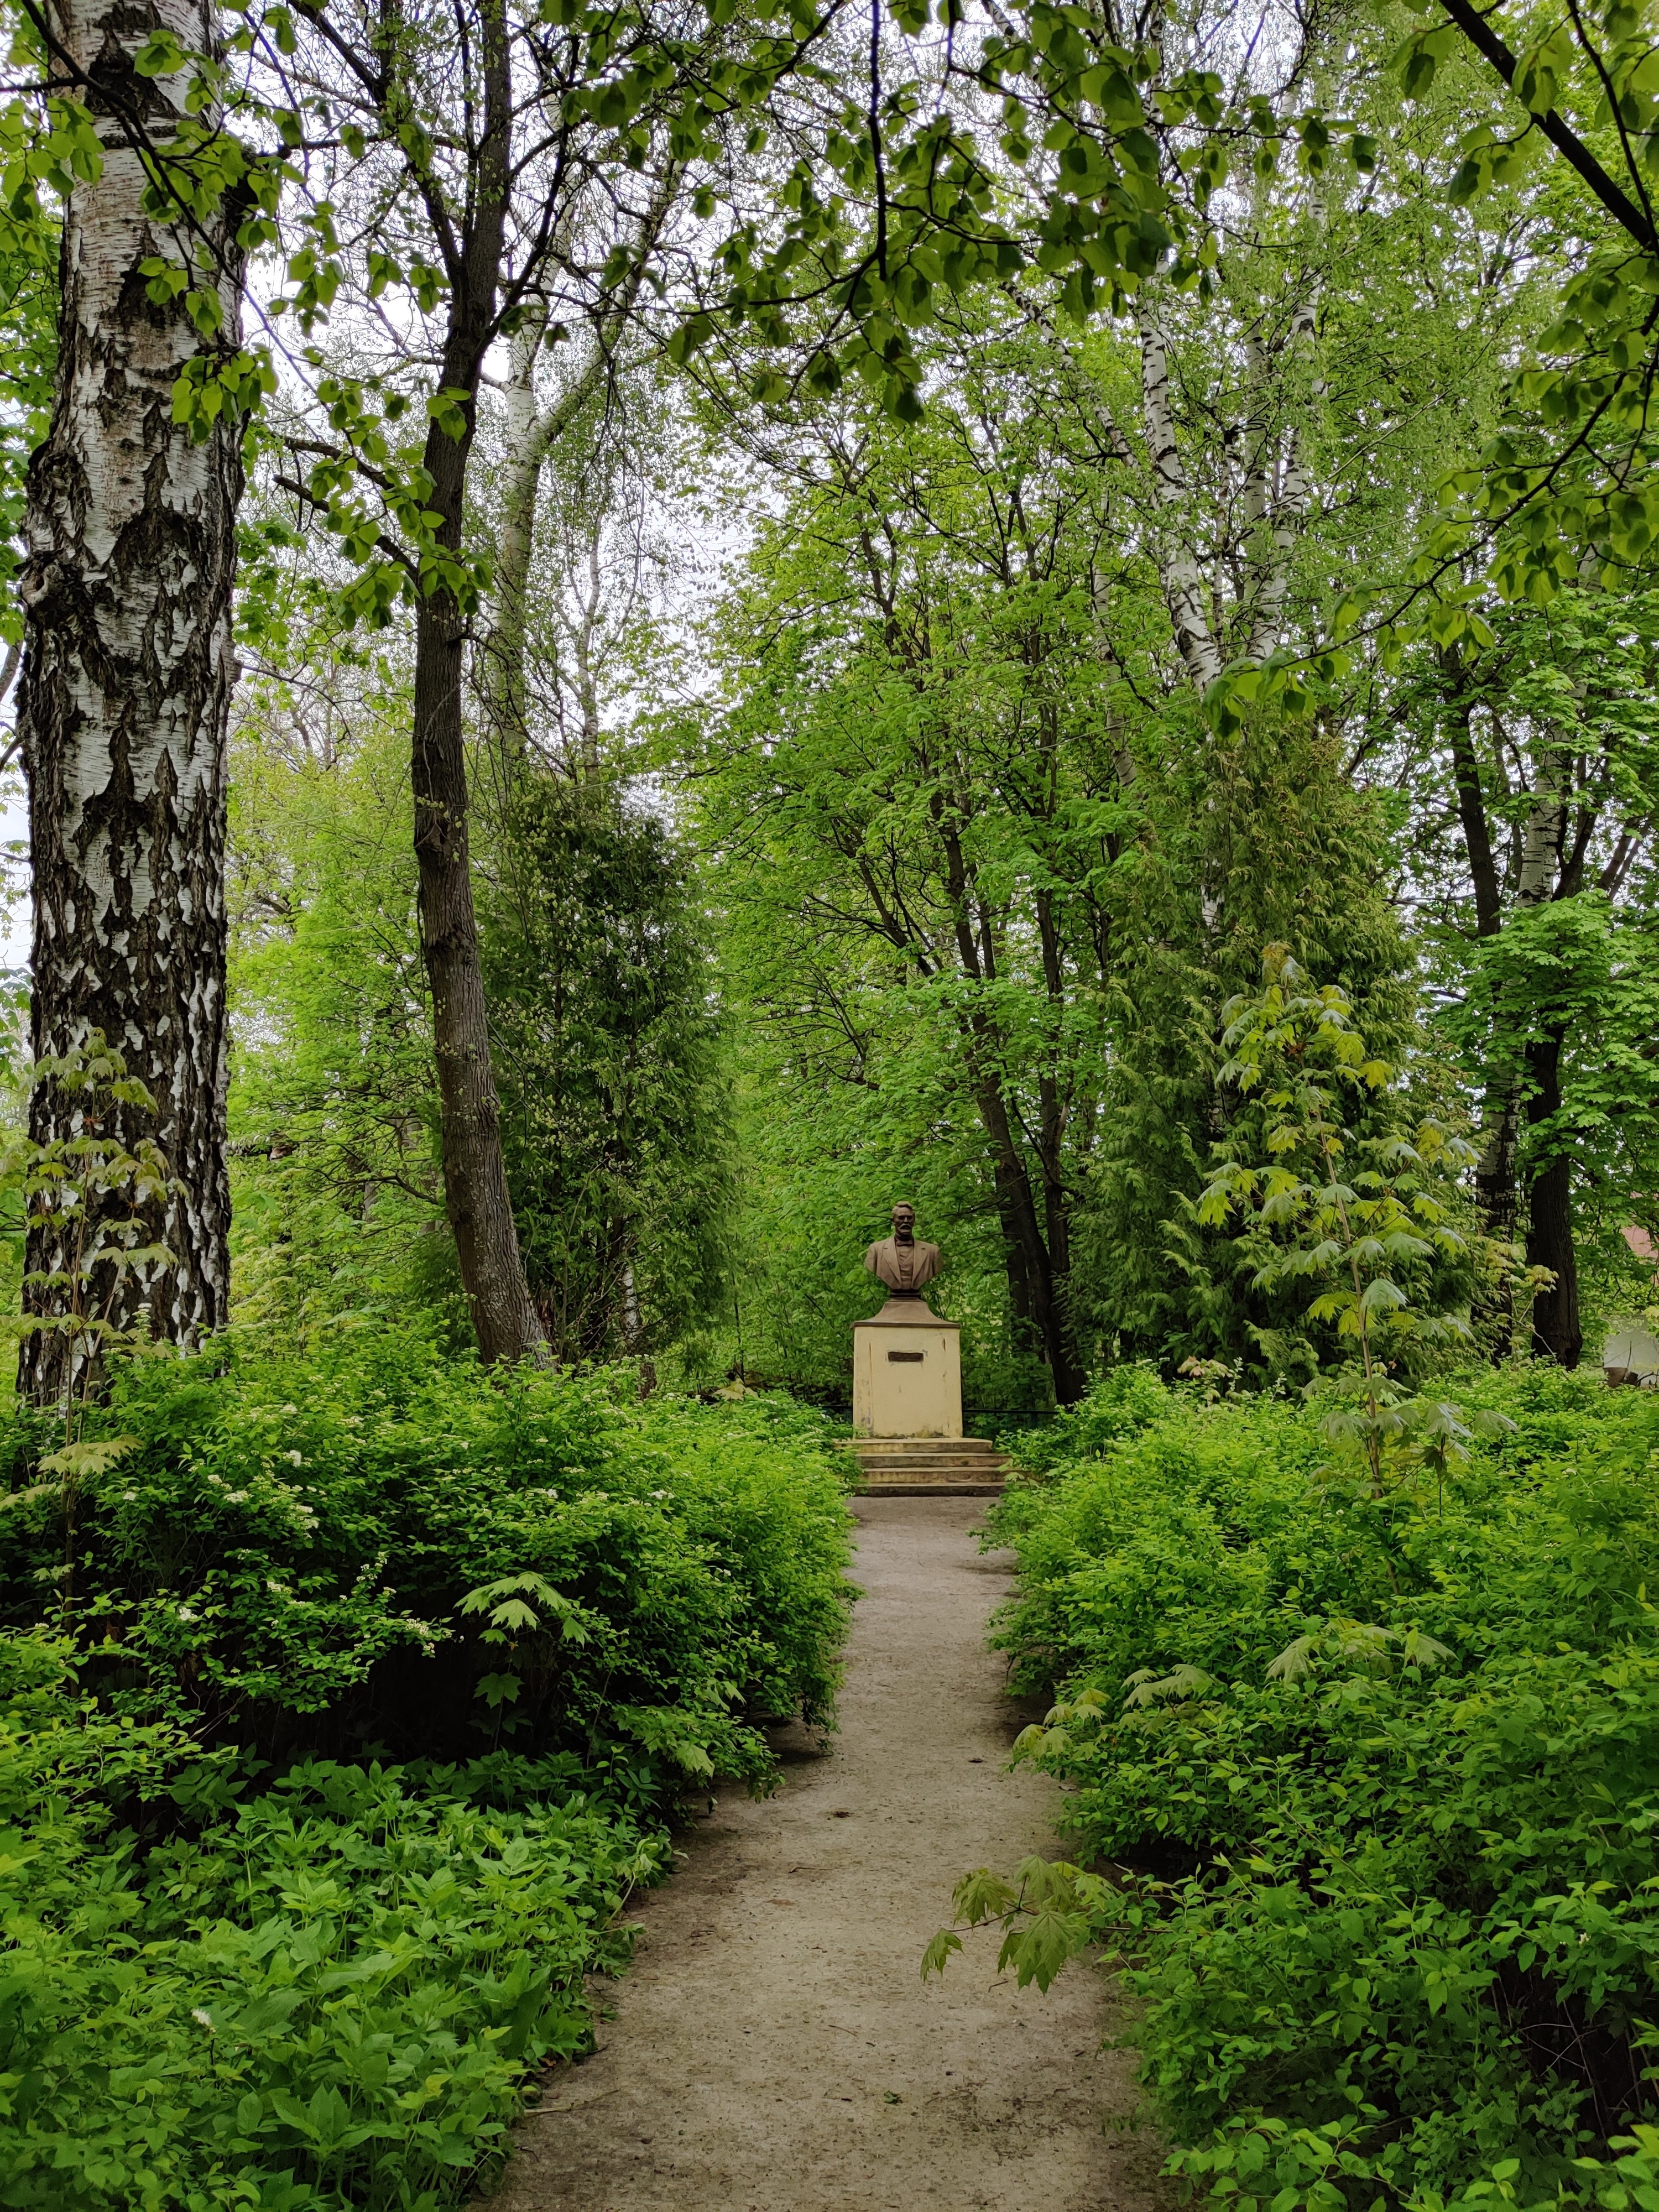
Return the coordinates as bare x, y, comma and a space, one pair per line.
899, 1260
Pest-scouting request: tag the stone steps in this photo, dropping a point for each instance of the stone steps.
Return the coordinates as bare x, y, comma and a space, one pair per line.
923, 1466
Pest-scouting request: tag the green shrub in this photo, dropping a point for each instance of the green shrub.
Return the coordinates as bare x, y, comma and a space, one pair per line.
328, 1997
1382, 1771
279, 1554
237, 1969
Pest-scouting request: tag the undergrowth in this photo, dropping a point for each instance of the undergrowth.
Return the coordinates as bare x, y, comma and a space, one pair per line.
344, 1699
1365, 1781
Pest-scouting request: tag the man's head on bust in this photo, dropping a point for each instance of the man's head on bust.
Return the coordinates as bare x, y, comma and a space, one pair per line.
902, 1261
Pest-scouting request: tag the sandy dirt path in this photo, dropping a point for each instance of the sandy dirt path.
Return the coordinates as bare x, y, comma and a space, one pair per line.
774, 2048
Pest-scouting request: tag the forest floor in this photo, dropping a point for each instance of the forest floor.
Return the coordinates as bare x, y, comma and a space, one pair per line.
774, 2048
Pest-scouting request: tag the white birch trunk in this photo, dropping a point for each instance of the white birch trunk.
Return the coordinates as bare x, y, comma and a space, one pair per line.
1269, 581
1257, 494
1182, 577
128, 672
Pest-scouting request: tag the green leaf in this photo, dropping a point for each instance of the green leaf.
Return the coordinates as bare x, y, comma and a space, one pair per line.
935, 1958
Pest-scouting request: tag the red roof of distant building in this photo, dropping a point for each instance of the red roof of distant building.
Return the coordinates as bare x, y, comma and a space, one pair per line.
1641, 1244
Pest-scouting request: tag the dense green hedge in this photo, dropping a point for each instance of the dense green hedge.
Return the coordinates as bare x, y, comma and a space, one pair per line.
1382, 1772
279, 1555
246, 1959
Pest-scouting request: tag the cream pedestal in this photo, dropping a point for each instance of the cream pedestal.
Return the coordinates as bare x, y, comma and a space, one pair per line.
907, 1372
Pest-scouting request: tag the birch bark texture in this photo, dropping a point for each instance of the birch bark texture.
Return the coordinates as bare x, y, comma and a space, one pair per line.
127, 677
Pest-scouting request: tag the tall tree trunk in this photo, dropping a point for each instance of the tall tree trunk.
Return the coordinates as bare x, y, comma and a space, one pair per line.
1053, 1117
1549, 1240
1039, 1267
474, 1173
1472, 804
1013, 1255
1494, 1174
1184, 590
127, 677
1277, 503
1555, 1324
1045, 1285
1542, 872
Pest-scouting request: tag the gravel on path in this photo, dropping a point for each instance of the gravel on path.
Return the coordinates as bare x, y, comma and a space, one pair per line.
774, 2048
